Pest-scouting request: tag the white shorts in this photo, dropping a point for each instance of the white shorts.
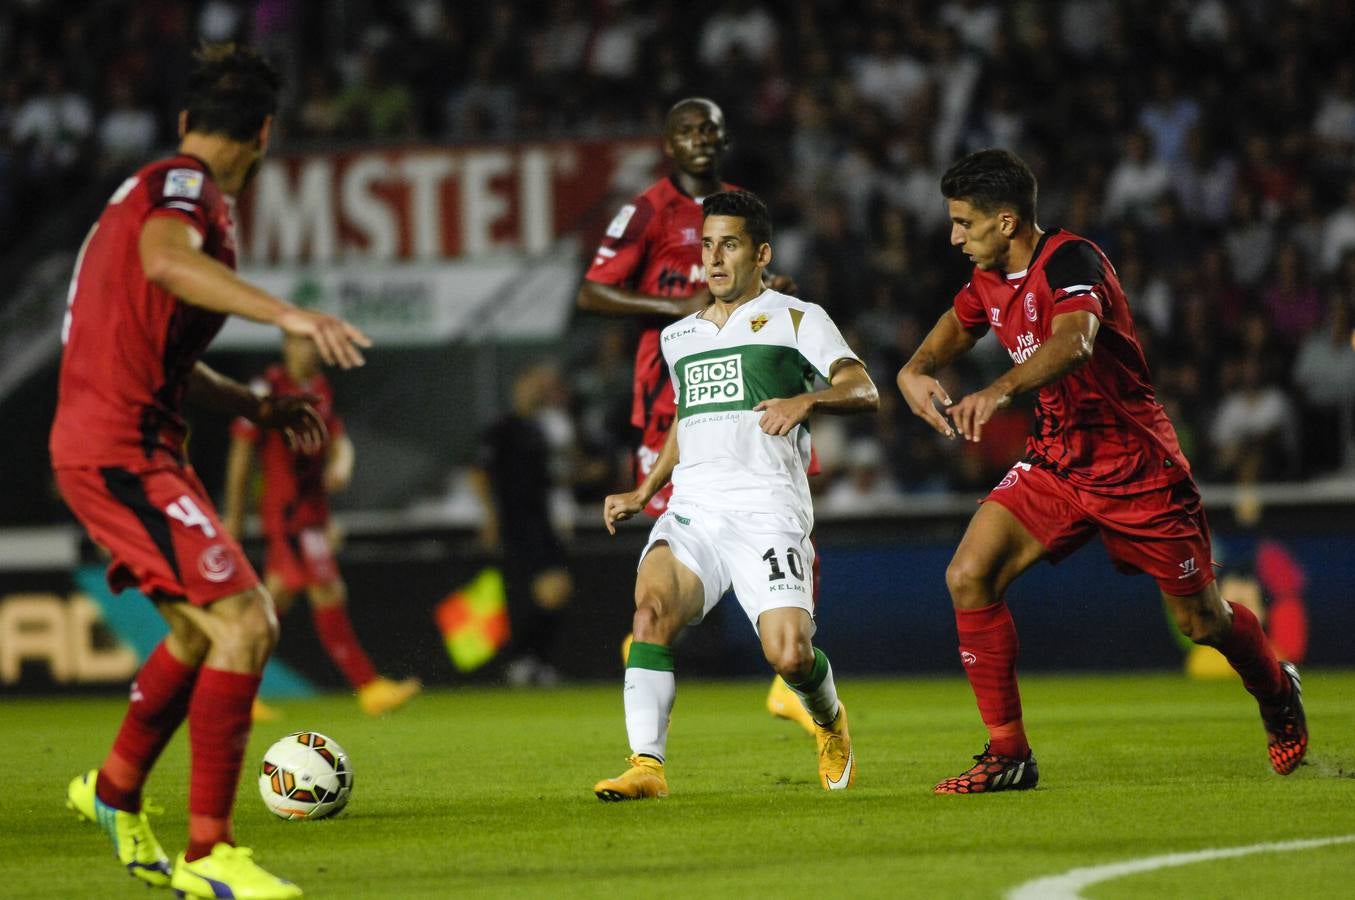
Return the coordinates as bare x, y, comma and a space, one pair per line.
765, 557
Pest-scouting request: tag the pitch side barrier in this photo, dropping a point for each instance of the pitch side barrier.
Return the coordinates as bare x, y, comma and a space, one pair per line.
883, 603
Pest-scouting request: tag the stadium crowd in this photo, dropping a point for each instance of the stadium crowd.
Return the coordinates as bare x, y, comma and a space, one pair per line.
1207, 146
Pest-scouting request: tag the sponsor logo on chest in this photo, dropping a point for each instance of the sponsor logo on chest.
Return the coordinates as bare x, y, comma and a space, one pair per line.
713, 380
1026, 344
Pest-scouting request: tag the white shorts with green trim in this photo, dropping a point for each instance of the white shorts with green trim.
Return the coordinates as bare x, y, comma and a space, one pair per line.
765, 557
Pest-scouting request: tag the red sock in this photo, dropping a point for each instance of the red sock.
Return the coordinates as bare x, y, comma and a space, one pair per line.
218, 728
988, 649
1248, 651
336, 634
159, 702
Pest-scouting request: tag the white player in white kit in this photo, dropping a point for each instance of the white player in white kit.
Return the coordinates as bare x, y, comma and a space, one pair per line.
743, 370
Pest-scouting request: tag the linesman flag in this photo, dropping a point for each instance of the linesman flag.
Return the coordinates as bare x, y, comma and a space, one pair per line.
473, 620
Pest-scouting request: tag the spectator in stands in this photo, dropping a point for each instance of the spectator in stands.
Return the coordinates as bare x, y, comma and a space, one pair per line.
1253, 432
1334, 122
1204, 178
128, 130
1291, 300
1169, 117
376, 106
1324, 374
1249, 238
1136, 182
1339, 237
53, 128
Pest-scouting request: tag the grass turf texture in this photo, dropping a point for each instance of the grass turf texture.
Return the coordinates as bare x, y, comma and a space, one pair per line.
487, 793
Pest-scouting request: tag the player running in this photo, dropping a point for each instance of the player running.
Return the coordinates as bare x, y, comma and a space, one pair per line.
1103, 459
152, 286
648, 265
740, 514
294, 508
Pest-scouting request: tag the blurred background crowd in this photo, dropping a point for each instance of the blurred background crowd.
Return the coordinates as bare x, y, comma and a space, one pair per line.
1207, 146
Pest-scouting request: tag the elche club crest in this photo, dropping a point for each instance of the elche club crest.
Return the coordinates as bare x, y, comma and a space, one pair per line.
757, 322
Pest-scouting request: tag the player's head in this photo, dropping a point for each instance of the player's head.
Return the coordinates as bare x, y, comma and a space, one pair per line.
694, 137
990, 195
736, 235
536, 387
232, 93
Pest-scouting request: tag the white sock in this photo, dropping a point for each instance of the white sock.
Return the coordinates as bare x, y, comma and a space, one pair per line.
821, 701
649, 699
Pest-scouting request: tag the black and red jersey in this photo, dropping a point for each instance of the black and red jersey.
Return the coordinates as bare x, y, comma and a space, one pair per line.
1100, 426
294, 495
130, 345
653, 246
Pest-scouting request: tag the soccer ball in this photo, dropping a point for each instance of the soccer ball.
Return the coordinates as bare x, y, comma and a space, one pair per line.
305, 776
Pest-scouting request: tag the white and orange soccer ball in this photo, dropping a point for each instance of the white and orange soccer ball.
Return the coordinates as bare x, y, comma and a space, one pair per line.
305, 775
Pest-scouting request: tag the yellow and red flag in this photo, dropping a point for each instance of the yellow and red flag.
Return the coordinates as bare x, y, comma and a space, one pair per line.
473, 620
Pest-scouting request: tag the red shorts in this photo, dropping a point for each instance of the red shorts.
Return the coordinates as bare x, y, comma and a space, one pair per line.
161, 530
301, 558
1161, 532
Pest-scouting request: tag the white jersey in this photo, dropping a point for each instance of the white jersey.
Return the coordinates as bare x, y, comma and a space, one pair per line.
771, 347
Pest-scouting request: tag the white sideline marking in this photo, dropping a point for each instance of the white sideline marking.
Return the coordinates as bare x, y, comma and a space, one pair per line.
1068, 885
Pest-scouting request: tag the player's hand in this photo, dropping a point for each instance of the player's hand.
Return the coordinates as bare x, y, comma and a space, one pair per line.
295, 416
335, 480
974, 411
780, 415
619, 507
489, 537
784, 284
927, 399
336, 340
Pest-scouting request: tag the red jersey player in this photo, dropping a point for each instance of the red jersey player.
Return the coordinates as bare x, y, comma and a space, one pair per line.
294, 507
1103, 459
153, 284
649, 266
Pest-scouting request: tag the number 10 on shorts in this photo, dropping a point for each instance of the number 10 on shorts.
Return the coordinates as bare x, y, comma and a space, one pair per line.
792, 562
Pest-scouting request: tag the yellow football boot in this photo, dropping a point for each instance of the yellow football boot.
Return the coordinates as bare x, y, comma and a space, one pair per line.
643, 780
134, 843
229, 872
837, 762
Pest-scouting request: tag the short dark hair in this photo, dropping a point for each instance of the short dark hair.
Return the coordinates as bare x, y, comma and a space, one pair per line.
991, 179
231, 91
747, 206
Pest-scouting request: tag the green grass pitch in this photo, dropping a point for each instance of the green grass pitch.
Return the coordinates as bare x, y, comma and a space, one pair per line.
487, 793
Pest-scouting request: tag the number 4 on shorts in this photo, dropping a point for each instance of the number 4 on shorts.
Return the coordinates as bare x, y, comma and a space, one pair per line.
185, 511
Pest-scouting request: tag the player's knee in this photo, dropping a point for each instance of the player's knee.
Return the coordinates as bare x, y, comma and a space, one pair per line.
792, 662
968, 583
651, 624
1206, 626
187, 642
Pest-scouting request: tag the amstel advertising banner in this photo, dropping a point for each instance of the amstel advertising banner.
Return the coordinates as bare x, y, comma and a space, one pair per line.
426, 244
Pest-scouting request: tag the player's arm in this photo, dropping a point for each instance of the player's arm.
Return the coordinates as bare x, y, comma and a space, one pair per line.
489, 522
293, 415
238, 463
849, 390
619, 507
339, 464
1069, 347
612, 300
947, 341
171, 256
